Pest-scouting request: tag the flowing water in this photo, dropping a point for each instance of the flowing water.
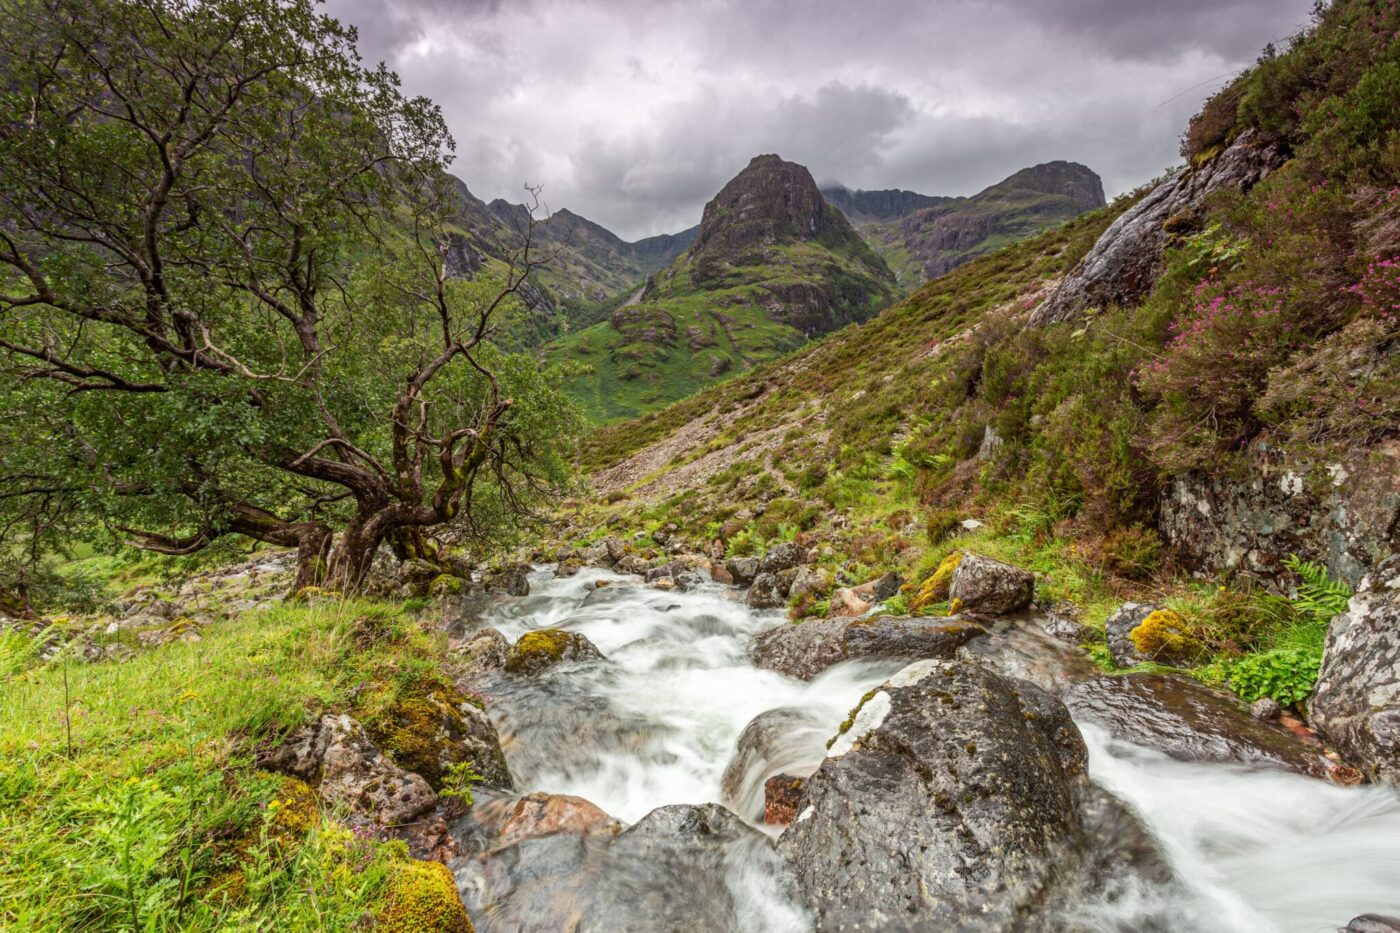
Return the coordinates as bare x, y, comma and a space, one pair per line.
657, 723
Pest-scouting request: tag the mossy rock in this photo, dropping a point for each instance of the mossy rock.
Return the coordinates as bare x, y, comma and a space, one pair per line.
445, 584
430, 726
935, 588
539, 650
423, 898
1165, 637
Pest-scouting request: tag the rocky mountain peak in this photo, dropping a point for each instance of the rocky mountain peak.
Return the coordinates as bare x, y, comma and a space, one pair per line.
770, 202
1072, 180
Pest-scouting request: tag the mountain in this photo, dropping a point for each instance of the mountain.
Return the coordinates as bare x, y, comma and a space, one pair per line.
588, 266
771, 266
922, 237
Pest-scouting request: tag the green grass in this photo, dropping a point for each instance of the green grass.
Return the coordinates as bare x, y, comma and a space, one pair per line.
159, 819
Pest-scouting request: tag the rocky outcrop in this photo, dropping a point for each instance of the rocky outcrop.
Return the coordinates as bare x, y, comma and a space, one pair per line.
1124, 264
951, 794
807, 649
1188, 721
981, 584
542, 649
1356, 704
336, 753
1347, 520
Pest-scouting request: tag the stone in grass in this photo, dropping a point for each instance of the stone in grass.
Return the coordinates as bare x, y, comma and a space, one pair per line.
980, 584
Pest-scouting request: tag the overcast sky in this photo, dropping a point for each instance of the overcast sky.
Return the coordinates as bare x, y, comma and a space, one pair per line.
633, 113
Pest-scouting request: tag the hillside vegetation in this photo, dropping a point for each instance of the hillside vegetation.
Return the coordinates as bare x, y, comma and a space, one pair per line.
1273, 324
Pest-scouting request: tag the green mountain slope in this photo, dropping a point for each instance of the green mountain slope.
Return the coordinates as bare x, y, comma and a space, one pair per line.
772, 266
922, 237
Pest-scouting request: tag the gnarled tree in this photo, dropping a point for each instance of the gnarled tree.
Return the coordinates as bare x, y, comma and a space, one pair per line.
224, 298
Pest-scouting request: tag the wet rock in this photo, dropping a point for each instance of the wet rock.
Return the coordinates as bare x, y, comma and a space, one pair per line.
567, 568
811, 581
485, 650
688, 580
719, 572
511, 580
541, 649
951, 796
805, 650
742, 569
1356, 705
766, 592
780, 557
596, 554
498, 822
1373, 923
1023, 650
683, 868
657, 573
1066, 630
981, 584
1118, 631
1123, 264
782, 799
788, 738
1189, 721
631, 563
1265, 708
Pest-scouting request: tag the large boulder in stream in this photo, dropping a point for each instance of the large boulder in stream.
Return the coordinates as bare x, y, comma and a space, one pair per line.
1356, 705
1188, 721
805, 650
952, 799
683, 868
543, 648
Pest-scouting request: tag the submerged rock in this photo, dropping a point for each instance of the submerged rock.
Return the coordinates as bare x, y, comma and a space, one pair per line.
1356, 705
784, 739
948, 801
980, 584
683, 868
1188, 721
805, 650
543, 648
498, 822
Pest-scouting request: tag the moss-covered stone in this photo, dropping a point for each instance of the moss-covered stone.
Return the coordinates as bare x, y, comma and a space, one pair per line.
423, 898
1164, 636
934, 589
535, 651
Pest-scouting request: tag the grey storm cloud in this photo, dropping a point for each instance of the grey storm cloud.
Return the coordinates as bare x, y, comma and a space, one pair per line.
635, 112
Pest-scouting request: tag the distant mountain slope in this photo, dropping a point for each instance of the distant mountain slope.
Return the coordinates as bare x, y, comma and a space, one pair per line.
588, 264
771, 266
921, 237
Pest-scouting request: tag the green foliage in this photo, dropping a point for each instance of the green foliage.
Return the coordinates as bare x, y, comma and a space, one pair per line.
458, 782
1286, 675
1319, 596
160, 819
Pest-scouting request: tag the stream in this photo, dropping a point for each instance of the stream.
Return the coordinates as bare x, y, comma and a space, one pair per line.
657, 724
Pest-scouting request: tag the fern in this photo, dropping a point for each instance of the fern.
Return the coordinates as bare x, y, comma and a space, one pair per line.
1319, 596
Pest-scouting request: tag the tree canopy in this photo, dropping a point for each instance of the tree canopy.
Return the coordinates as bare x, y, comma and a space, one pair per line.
224, 297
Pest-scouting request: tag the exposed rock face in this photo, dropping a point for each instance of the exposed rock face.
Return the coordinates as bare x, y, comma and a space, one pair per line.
1356, 705
862, 207
770, 201
1348, 523
1188, 721
951, 797
543, 648
805, 650
1125, 262
981, 584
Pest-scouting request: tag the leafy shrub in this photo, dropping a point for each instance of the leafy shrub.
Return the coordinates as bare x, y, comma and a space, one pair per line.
1287, 675
1212, 127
